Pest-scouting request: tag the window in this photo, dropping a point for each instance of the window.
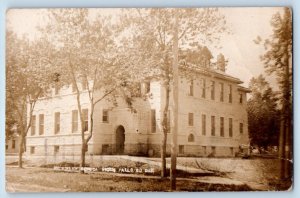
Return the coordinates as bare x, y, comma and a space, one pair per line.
191, 119
74, 121
13, 146
230, 127
221, 92
203, 124
73, 87
105, 117
203, 88
147, 87
204, 150
105, 149
241, 128
56, 122
181, 149
222, 126
241, 98
191, 138
41, 124
213, 129
6, 147
191, 90
32, 150
56, 149
231, 150
84, 84
136, 90
230, 94
33, 124
85, 114
213, 150
212, 90
56, 89
153, 120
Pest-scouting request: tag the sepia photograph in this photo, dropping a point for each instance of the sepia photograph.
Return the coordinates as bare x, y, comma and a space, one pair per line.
149, 99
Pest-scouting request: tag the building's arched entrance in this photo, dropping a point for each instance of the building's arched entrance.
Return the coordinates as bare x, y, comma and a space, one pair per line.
120, 139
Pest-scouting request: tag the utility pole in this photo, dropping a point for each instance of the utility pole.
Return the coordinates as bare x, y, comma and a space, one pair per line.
175, 104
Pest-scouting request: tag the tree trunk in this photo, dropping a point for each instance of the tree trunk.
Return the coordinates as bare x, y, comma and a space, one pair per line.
21, 150
83, 151
165, 133
282, 147
165, 125
175, 106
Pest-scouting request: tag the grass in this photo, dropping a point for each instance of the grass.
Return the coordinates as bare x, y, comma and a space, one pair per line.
260, 174
102, 182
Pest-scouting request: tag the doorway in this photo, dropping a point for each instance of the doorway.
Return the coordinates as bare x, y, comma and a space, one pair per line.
120, 139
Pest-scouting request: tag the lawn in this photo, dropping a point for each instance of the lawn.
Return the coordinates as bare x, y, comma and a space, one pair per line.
229, 174
36, 179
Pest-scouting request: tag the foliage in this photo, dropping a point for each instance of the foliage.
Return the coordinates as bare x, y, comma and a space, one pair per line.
278, 60
278, 55
88, 59
28, 77
150, 45
263, 113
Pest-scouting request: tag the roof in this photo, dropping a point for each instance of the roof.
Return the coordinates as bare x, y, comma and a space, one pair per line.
244, 89
211, 72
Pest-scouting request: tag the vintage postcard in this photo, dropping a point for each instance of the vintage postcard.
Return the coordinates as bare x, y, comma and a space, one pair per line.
149, 99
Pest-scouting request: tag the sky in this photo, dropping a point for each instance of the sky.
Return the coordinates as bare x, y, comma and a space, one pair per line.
238, 47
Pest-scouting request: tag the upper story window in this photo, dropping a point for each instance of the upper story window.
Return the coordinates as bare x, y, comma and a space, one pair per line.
84, 84
105, 116
203, 84
191, 88
241, 98
136, 90
153, 121
191, 119
33, 124
56, 89
230, 94
147, 87
85, 113
73, 88
56, 122
222, 92
41, 124
212, 90
74, 120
